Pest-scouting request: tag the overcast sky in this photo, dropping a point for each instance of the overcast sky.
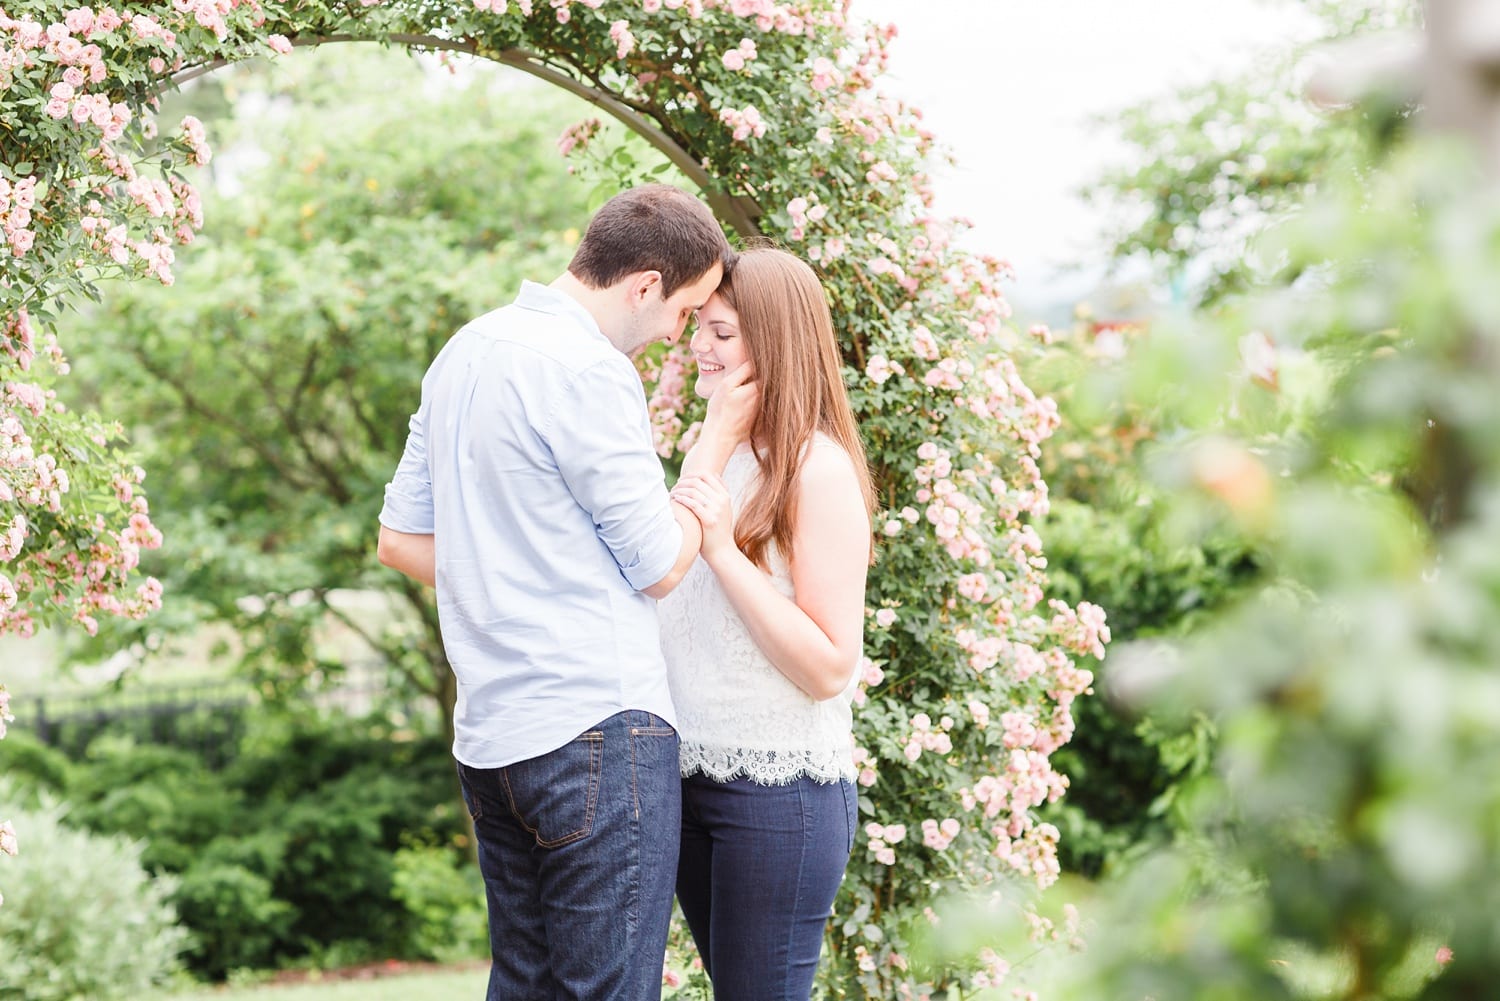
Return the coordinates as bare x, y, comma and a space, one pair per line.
1009, 86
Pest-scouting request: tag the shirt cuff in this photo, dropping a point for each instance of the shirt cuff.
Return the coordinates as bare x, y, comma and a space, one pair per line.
406, 514
650, 566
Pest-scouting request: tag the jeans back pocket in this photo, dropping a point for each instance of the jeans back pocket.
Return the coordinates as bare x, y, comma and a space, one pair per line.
555, 796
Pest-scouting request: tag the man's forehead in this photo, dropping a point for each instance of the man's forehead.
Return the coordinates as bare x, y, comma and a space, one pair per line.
702, 290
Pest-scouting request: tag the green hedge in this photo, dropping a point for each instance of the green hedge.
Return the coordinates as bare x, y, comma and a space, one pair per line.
321, 836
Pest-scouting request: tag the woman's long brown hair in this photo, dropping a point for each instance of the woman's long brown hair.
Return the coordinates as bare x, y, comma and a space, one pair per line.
788, 332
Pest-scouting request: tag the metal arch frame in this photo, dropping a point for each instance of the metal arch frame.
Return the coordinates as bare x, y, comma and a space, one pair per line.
739, 212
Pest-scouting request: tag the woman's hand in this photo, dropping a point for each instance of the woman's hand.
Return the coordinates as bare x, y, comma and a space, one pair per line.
707, 497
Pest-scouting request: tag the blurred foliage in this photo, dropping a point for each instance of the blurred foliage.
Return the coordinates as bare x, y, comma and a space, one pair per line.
1346, 843
366, 205
1111, 536
1212, 167
1213, 164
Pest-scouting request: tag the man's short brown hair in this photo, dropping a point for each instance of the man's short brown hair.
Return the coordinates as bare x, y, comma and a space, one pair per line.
655, 227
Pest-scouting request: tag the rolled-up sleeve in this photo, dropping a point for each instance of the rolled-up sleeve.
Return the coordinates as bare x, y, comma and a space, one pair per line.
600, 438
408, 497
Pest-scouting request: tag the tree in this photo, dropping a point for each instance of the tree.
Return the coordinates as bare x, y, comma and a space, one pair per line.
274, 377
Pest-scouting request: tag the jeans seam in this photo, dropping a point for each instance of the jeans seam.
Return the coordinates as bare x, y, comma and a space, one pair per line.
635, 792
797, 894
851, 814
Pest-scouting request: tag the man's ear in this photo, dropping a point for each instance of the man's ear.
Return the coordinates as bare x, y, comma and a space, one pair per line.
644, 284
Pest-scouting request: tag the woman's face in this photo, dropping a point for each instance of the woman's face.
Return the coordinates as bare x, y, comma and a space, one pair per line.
718, 347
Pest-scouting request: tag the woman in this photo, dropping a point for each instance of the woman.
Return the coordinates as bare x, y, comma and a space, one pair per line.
762, 639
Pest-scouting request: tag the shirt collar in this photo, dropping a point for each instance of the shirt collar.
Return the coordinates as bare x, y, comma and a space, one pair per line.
546, 299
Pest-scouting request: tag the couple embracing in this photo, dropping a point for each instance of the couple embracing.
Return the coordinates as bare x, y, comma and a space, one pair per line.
654, 686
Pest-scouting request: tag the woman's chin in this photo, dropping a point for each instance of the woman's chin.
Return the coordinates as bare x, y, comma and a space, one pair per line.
704, 387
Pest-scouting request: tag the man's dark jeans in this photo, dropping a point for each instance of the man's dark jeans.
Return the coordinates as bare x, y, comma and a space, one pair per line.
578, 849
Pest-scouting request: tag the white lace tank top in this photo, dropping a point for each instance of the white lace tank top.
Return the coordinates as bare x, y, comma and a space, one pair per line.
737, 715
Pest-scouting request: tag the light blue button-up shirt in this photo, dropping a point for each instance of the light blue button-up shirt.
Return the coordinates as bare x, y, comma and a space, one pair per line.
530, 460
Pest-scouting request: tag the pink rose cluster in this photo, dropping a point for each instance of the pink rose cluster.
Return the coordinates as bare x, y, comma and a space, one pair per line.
879, 369
883, 839
1082, 630
825, 74
865, 763
16, 203
72, 57
562, 10
739, 57
802, 211
18, 343
1004, 801
500, 6
174, 205
784, 18
868, 675
5, 714
992, 971
621, 35
958, 518
668, 398
743, 123
85, 581
926, 737
938, 835
578, 135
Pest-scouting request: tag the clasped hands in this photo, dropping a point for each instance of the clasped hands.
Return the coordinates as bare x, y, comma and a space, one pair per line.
707, 497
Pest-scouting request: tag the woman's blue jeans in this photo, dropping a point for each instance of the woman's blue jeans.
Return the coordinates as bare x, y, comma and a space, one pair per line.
578, 848
759, 869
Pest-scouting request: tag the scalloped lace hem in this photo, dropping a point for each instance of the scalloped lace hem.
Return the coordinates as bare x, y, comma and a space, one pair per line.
771, 768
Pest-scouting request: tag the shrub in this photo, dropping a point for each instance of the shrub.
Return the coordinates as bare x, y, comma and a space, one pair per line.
30, 766
82, 919
445, 898
237, 920
336, 872
165, 795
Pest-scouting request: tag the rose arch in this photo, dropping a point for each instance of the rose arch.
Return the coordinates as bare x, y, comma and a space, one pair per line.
772, 109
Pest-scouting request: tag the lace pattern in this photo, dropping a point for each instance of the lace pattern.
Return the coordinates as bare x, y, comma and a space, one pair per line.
768, 768
737, 715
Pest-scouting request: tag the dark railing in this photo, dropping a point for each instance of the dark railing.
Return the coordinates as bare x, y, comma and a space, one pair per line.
205, 717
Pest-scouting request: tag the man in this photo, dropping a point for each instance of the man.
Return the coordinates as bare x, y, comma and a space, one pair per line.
530, 494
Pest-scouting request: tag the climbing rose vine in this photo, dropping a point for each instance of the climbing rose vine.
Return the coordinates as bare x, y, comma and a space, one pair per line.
970, 670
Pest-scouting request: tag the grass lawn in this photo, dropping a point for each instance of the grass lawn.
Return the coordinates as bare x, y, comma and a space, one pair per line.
441, 985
